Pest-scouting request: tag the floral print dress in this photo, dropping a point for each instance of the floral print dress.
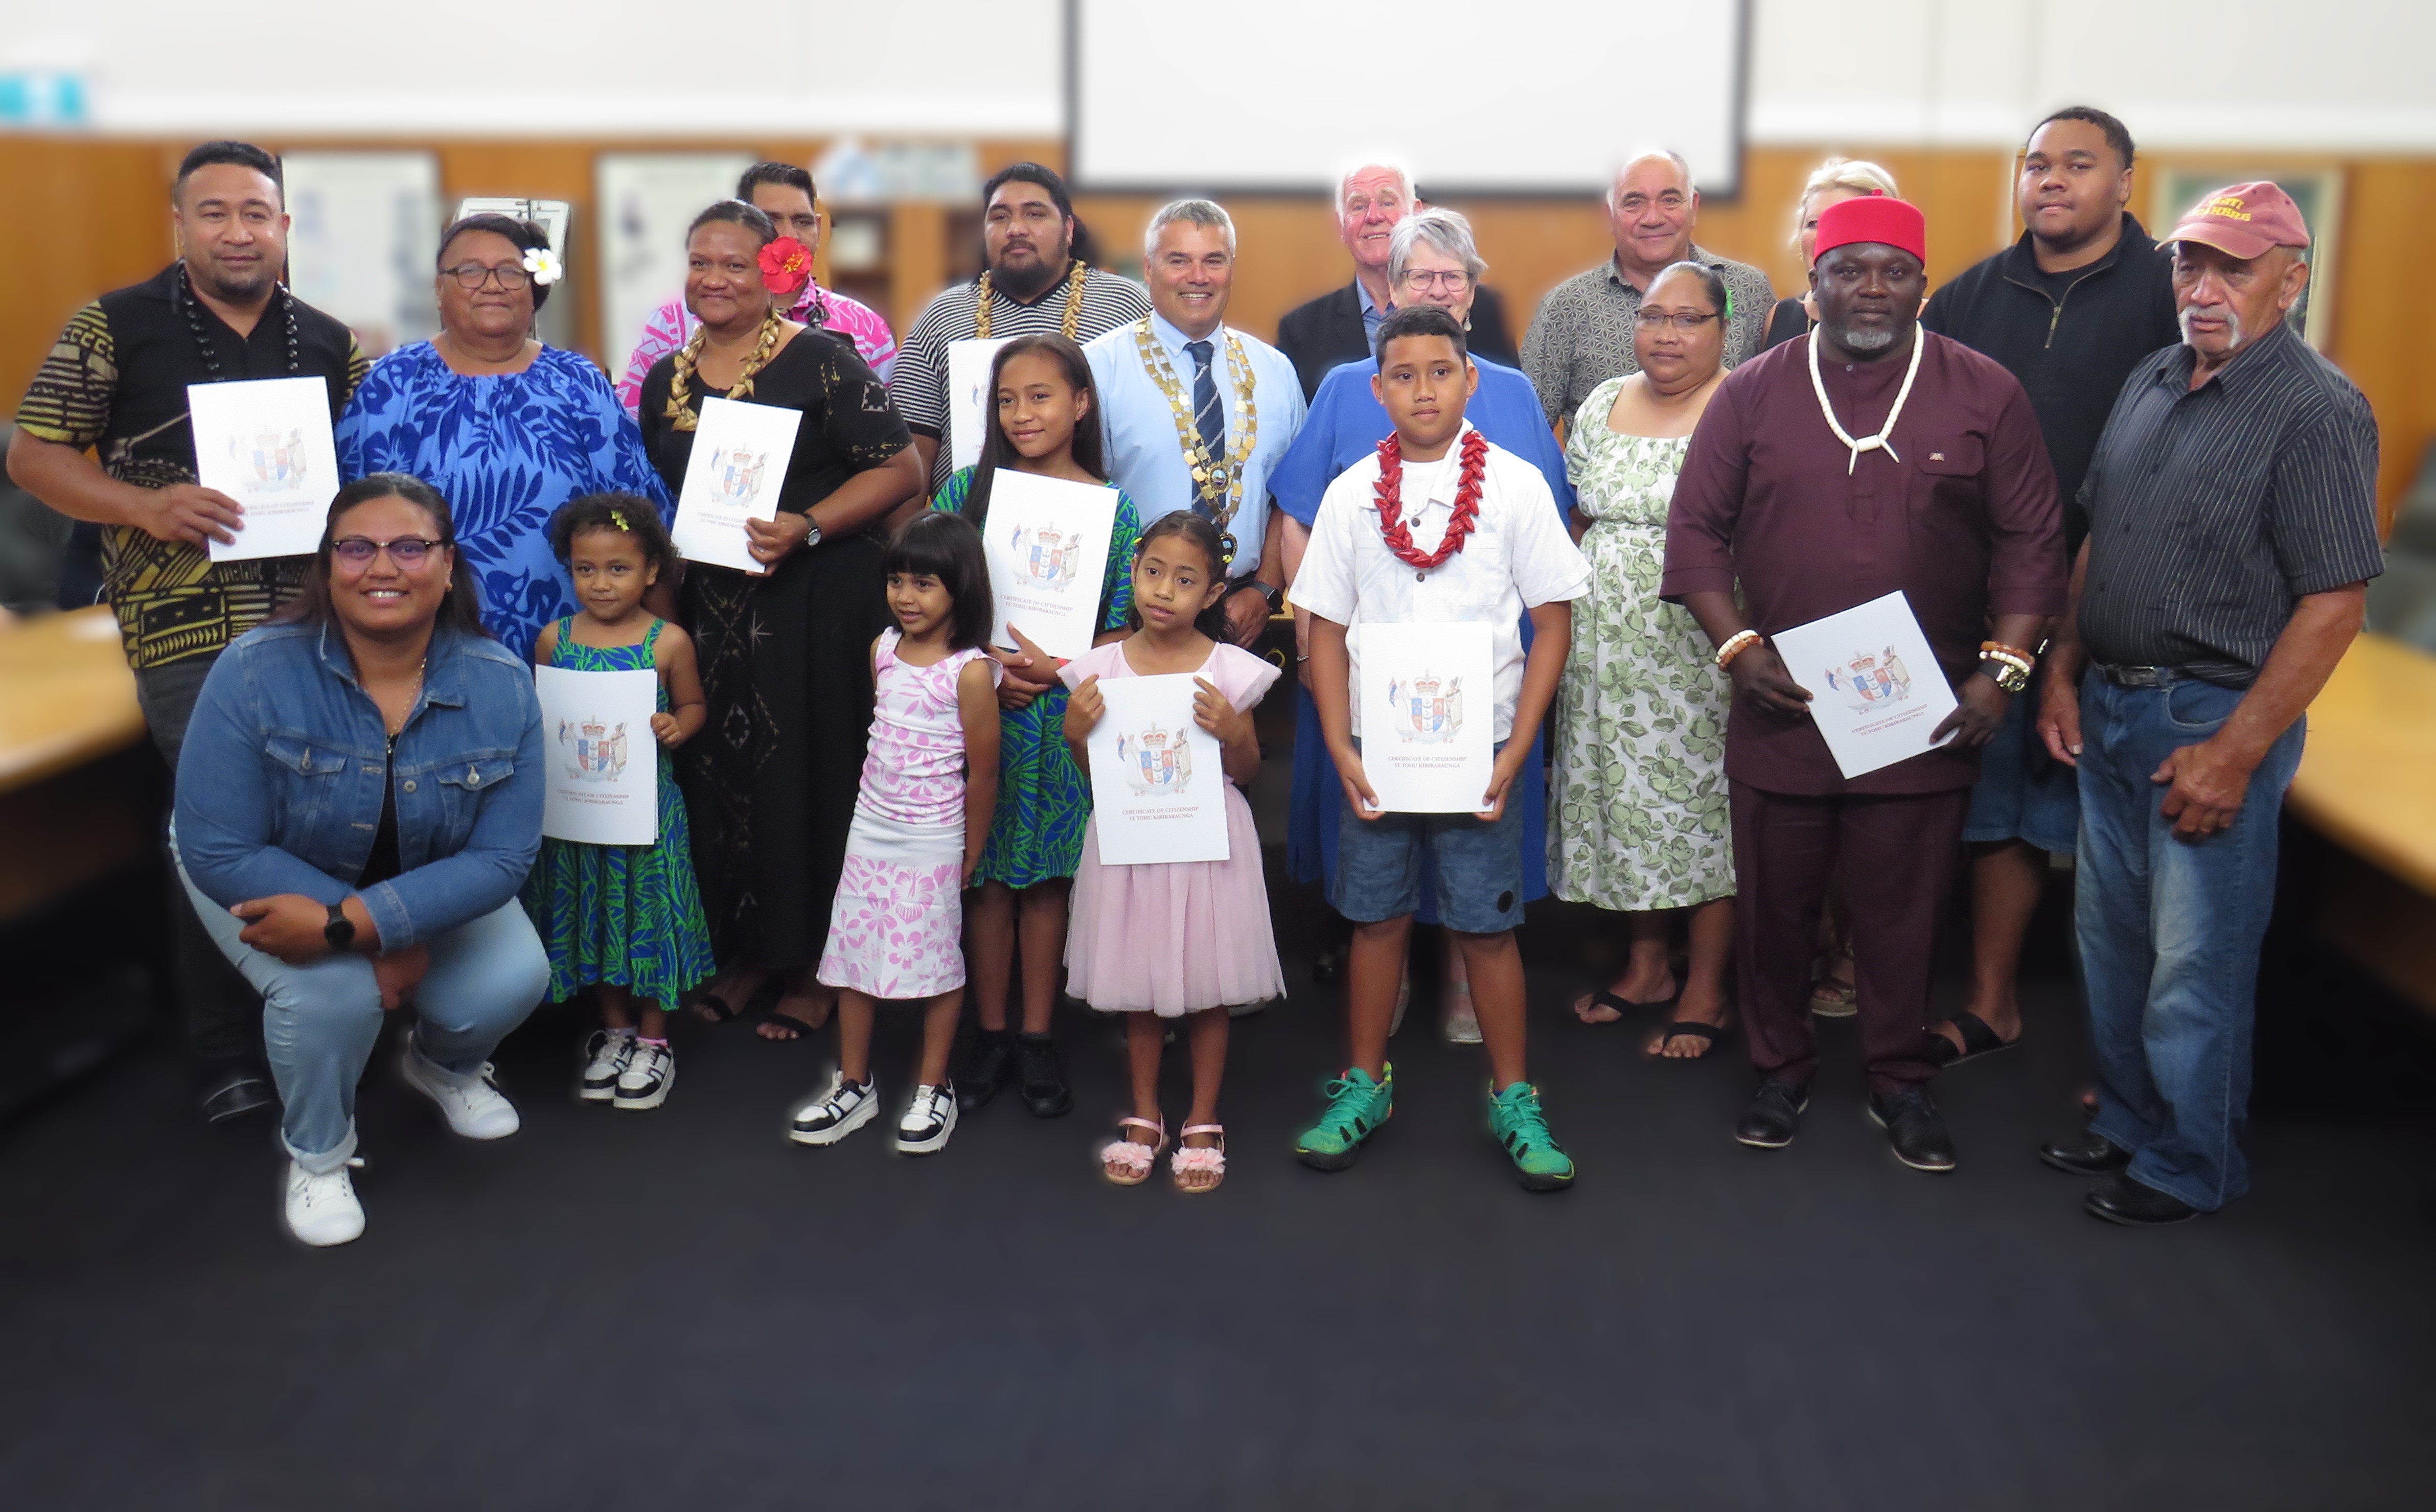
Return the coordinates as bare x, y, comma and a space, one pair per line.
1638, 805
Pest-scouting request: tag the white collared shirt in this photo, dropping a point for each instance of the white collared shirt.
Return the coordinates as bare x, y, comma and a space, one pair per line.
1144, 457
1518, 556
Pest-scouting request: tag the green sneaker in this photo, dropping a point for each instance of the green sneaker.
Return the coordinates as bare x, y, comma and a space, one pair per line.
1356, 1106
1515, 1118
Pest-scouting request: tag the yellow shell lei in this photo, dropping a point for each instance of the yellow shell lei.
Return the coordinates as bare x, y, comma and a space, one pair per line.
678, 414
1068, 322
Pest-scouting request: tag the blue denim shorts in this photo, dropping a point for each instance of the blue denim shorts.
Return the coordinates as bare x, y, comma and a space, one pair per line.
1479, 867
2024, 793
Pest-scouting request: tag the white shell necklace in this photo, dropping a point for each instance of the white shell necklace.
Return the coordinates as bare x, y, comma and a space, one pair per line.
1878, 441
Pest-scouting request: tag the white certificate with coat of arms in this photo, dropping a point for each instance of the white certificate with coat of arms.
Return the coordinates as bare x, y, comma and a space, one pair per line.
1429, 715
1875, 689
1047, 543
740, 451
603, 762
1159, 780
266, 444
968, 407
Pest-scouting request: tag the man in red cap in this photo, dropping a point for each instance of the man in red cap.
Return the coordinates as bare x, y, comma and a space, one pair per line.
1871, 457
2232, 509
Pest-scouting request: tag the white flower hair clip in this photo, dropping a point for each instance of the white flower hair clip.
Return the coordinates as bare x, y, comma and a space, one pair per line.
544, 265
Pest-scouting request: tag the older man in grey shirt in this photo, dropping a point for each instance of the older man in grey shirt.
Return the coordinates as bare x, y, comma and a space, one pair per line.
1583, 334
2232, 531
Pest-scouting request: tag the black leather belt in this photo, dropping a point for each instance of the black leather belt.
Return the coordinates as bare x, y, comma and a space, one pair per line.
2141, 676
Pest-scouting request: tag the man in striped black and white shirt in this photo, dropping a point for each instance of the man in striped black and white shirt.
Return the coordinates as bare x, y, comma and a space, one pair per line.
2232, 511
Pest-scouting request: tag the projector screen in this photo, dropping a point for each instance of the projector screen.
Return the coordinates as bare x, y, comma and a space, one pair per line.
1516, 96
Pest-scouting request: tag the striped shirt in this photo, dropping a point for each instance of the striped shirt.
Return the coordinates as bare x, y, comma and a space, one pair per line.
919, 387
2210, 512
1583, 334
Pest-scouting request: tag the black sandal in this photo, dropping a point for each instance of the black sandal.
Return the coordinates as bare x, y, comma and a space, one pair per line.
1714, 1034
720, 1010
1977, 1041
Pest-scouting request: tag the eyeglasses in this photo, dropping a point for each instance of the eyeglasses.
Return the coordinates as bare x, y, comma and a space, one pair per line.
1454, 282
408, 551
473, 275
1684, 321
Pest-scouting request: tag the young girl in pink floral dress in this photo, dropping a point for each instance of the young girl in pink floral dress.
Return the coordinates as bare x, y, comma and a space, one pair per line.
929, 787
1175, 939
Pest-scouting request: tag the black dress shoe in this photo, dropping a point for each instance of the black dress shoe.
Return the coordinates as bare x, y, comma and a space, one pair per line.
989, 1065
1774, 1113
2089, 1155
2119, 1199
234, 1091
1914, 1127
1042, 1077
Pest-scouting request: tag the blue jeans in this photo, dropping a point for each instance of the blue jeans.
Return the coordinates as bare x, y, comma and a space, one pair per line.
2170, 934
320, 1020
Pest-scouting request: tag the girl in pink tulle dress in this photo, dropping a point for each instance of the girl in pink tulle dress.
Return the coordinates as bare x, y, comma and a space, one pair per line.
929, 787
1175, 939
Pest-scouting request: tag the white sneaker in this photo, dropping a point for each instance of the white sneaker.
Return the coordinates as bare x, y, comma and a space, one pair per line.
928, 1121
322, 1210
604, 1059
1462, 1027
843, 1109
647, 1075
473, 1108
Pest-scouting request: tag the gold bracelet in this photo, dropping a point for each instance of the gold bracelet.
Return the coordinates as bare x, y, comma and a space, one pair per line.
1737, 643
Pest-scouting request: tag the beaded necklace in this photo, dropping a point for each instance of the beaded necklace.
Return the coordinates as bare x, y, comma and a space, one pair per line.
1220, 485
190, 306
681, 417
1068, 322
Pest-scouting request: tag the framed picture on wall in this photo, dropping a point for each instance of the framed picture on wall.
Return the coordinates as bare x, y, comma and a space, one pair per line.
2319, 192
645, 201
362, 240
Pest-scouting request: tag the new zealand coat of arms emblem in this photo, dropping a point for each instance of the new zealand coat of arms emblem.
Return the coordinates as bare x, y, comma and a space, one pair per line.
1052, 558
269, 459
1871, 680
1156, 761
599, 752
1426, 710
736, 474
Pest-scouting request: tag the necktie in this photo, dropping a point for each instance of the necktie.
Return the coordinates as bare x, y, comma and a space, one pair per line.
1209, 418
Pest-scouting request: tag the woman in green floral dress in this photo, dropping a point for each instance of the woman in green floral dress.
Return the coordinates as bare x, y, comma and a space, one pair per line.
1638, 805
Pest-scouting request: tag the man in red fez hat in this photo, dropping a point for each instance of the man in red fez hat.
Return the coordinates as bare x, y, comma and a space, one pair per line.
1872, 458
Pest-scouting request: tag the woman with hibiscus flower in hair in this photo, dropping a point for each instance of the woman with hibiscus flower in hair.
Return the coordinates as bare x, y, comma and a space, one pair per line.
785, 651
505, 428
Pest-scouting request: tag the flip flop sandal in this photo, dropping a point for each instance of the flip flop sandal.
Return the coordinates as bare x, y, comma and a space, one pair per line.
1977, 1041
1831, 998
797, 1028
1605, 998
1676, 1028
1127, 1163
1191, 1159
721, 1011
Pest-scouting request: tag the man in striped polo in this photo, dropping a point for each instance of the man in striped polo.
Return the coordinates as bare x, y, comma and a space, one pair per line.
2232, 509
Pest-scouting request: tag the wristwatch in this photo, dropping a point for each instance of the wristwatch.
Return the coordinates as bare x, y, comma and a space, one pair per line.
2008, 676
1271, 592
340, 931
811, 532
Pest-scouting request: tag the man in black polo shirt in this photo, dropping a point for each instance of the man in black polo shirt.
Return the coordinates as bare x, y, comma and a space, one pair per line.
116, 382
2232, 511
2069, 309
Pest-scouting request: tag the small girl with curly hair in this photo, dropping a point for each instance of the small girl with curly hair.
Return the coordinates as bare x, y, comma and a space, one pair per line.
625, 920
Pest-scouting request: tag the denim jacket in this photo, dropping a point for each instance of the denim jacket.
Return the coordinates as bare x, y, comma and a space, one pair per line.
279, 785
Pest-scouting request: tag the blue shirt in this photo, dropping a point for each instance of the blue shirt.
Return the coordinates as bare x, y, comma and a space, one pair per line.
280, 780
1347, 422
505, 450
1144, 457
1371, 316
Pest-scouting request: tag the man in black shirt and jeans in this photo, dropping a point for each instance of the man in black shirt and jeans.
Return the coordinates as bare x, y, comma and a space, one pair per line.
2232, 509
2069, 310
116, 382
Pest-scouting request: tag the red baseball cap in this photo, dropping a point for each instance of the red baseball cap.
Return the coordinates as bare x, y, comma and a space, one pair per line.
1877, 218
2242, 222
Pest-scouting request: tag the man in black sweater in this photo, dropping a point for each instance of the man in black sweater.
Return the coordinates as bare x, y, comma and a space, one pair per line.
2069, 309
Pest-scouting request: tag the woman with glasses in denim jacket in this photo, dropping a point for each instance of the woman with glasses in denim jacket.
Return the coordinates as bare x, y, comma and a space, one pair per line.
358, 800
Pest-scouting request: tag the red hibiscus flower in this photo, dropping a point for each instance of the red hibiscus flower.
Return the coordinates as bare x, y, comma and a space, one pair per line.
786, 265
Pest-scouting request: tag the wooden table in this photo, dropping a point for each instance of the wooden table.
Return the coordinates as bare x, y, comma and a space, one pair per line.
2368, 783
68, 813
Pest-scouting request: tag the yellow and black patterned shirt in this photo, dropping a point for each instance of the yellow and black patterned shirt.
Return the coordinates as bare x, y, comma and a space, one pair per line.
116, 382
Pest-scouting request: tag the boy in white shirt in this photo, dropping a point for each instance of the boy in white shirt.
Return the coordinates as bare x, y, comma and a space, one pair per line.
1467, 532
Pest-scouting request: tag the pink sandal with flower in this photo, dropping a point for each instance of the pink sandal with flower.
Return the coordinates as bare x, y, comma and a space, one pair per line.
1192, 1160
1127, 1161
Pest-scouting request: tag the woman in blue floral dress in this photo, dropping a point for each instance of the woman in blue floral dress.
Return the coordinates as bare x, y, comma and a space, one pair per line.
505, 428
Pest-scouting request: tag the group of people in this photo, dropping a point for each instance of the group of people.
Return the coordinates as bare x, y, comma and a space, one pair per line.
2132, 512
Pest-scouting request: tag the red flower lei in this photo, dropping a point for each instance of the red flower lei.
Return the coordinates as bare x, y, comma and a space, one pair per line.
785, 265
1390, 490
